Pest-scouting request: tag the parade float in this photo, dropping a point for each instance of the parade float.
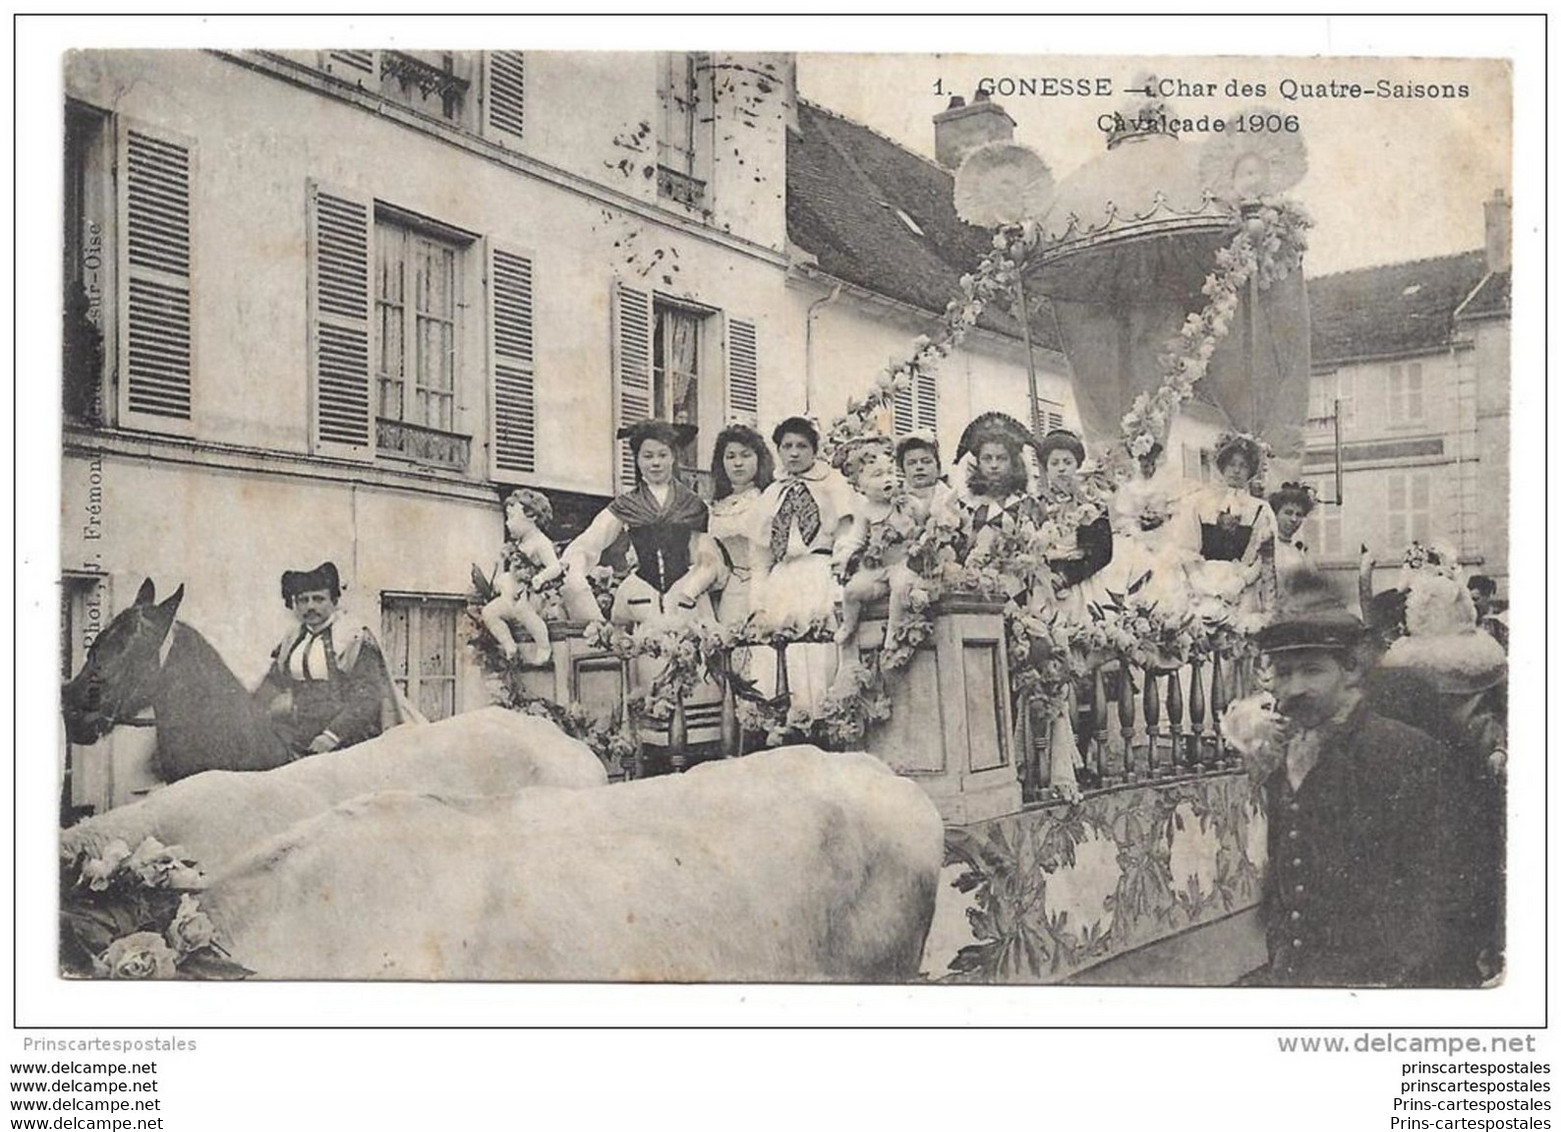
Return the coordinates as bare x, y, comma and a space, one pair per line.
1093, 808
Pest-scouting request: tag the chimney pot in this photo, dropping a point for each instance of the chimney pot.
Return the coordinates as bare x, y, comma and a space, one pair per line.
956, 101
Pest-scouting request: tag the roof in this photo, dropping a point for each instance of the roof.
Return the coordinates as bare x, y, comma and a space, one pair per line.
1394, 309
1491, 299
881, 217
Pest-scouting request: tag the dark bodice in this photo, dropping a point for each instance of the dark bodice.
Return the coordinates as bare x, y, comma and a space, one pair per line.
1225, 543
663, 553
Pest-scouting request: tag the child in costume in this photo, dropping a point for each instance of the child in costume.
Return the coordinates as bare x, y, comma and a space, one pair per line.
870, 559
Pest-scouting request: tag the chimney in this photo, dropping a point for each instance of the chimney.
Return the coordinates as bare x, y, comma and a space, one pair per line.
961, 128
1498, 233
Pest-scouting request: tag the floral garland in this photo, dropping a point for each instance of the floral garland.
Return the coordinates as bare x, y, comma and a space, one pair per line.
1266, 248
134, 915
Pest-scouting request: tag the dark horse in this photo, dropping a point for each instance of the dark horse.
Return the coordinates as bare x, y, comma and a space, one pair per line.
206, 719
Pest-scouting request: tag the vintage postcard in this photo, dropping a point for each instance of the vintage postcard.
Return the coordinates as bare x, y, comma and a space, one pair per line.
761, 516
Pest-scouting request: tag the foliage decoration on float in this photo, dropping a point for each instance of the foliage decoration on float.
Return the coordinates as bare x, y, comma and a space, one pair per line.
134, 915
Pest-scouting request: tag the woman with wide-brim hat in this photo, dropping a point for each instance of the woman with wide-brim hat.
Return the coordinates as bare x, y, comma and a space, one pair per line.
662, 519
328, 686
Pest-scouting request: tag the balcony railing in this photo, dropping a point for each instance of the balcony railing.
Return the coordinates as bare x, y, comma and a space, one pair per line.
680, 187
422, 445
431, 82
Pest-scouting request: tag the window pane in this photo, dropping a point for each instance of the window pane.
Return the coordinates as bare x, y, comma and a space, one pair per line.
1420, 527
1398, 538
1421, 494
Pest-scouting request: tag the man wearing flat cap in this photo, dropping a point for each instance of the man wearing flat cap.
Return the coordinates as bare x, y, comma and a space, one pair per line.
328, 686
1369, 882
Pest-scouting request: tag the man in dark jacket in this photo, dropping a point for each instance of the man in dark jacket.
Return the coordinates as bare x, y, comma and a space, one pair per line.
1369, 882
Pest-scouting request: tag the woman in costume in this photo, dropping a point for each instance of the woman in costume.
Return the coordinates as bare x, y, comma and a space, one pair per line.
328, 686
1005, 518
1078, 522
662, 519
742, 467
799, 517
1291, 504
1235, 533
1149, 550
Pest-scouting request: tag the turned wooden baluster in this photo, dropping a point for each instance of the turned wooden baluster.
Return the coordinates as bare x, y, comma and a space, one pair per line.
731, 732
1125, 714
677, 738
1195, 713
1100, 723
782, 679
1173, 709
1152, 714
1087, 750
1218, 700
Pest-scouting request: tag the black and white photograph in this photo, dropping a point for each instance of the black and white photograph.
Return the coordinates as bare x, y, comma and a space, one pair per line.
1013, 518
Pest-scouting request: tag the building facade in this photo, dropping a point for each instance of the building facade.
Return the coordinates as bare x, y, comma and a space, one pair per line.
330, 304
1412, 373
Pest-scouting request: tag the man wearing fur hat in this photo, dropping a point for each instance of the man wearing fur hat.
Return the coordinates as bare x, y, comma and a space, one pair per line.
328, 686
1369, 871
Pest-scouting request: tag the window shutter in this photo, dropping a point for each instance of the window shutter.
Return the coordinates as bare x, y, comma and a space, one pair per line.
926, 393
340, 267
742, 371
504, 96
903, 409
632, 337
156, 352
513, 365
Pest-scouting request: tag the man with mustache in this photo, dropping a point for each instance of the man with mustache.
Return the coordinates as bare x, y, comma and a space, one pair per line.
1369, 881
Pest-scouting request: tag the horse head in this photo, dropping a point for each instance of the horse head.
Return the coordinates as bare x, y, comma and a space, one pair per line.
120, 674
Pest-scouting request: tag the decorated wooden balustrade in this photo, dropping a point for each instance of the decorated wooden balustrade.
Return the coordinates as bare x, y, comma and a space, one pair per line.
1136, 724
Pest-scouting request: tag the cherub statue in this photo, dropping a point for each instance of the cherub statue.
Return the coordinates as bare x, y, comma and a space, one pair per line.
527, 564
870, 560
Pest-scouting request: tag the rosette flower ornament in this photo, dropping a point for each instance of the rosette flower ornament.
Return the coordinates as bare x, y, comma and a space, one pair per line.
1001, 184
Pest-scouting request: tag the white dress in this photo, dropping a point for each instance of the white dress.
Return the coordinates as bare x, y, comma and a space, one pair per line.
798, 594
733, 525
1227, 581
1149, 521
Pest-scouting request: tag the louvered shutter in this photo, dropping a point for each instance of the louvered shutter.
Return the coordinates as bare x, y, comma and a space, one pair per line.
340, 306
512, 364
925, 391
504, 96
742, 371
903, 409
633, 334
156, 350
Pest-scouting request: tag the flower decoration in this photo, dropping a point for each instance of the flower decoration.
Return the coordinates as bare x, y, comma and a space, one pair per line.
1240, 165
134, 915
1002, 183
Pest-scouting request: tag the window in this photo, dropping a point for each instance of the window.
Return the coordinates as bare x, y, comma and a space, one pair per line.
675, 371
1406, 394
681, 147
416, 300
1408, 509
421, 648
667, 361
1325, 390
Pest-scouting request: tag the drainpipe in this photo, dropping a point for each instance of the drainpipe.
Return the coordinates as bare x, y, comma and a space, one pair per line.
813, 309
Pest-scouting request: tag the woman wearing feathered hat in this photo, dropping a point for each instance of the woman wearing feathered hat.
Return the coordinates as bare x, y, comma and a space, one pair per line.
662, 519
328, 686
